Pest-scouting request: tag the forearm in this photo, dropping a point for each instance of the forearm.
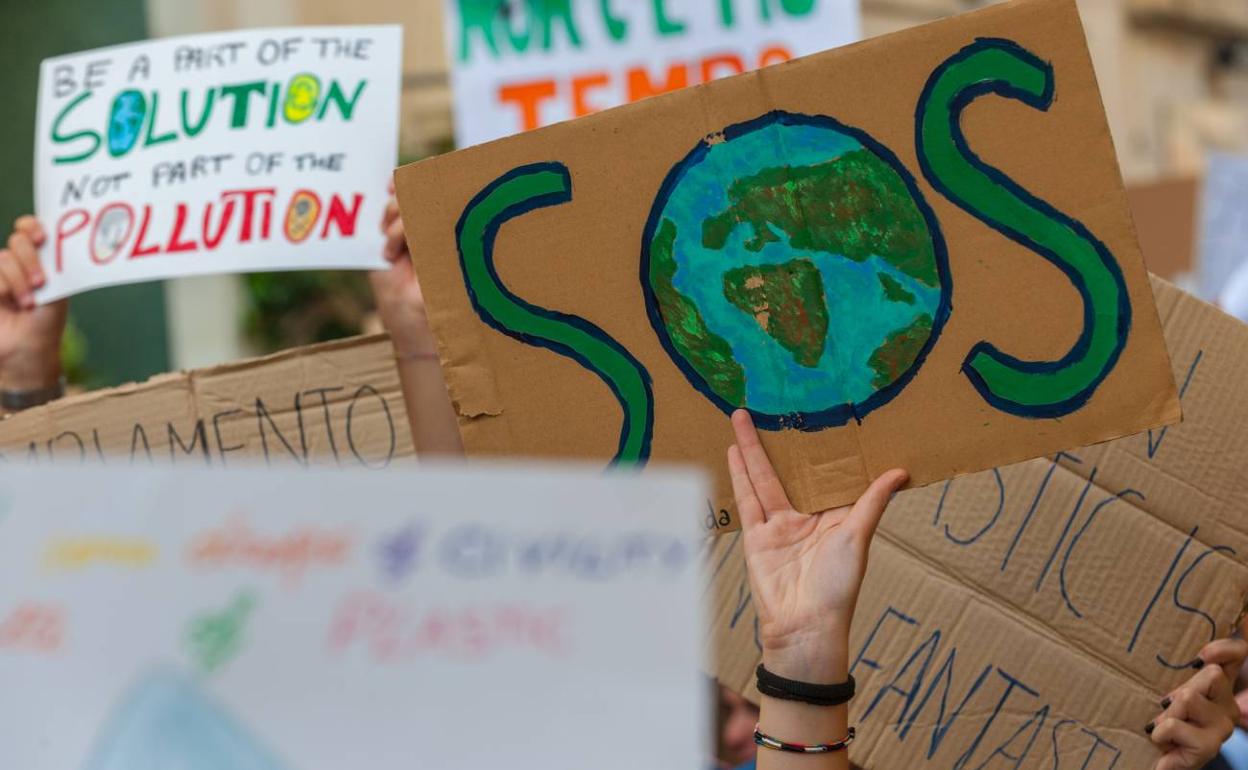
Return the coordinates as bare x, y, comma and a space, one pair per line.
30, 373
797, 722
435, 432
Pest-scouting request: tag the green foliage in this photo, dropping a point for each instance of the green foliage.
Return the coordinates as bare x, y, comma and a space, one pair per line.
287, 309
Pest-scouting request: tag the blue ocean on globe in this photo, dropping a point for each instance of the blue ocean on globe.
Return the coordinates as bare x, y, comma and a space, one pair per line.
793, 180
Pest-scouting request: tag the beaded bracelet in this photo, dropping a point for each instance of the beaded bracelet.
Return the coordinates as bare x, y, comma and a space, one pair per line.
767, 742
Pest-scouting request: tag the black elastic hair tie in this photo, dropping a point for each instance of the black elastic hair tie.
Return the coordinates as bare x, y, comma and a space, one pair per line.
776, 686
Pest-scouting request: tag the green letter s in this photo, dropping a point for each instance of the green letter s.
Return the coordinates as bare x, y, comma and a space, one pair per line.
58, 138
1025, 388
511, 195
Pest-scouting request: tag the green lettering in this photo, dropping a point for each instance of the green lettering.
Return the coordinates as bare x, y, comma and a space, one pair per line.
797, 7
194, 130
519, 31
335, 96
617, 28
521, 190
665, 26
151, 126
548, 11
241, 94
1028, 388
58, 138
478, 15
726, 16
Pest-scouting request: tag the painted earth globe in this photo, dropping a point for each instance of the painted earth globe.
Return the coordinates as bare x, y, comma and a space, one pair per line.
791, 267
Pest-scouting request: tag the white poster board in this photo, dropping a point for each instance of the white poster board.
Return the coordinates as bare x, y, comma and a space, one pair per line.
1223, 224
518, 618
518, 65
239, 151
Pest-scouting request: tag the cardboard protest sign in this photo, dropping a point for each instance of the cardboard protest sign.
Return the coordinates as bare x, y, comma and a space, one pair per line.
293, 621
1032, 616
1165, 214
518, 64
238, 151
1223, 223
612, 287
337, 404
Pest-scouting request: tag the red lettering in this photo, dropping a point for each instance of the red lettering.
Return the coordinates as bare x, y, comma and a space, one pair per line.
249, 208
212, 240
33, 627
139, 249
176, 244
115, 244
340, 216
64, 230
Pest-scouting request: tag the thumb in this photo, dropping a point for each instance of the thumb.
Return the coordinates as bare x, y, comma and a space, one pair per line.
865, 516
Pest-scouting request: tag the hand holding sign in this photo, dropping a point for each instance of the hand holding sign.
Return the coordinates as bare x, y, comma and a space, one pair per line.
30, 337
805, 571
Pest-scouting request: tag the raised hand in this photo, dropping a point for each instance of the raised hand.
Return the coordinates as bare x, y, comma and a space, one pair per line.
30, 336
805, 570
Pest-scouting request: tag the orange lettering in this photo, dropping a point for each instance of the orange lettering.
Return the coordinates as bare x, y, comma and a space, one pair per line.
727, 64
580, 87
640, 85
528, 97
774, 55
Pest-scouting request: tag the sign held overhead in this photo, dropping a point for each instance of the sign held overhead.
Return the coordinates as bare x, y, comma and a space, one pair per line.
240, 151
883, 276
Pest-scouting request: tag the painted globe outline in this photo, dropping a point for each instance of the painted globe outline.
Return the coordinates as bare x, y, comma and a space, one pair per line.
836, 414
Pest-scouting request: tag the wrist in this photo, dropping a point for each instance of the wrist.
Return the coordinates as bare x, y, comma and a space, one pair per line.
817, 658
31, 370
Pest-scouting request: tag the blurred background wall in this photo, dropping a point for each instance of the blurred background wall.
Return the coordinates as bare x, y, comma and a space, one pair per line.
1173, 73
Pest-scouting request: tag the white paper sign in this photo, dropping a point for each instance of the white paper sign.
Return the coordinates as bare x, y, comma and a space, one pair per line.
1223, 223
518, 64
517, 618
240, 151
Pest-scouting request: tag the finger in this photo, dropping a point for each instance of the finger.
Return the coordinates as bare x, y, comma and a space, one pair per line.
396, 242
1227, 653
30, 226
1189, 705
867, 512
390, 214
1169, 731
15, 277
747, 502
762, 475
23, 249
6, 292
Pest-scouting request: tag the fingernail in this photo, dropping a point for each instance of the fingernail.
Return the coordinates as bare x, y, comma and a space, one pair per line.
1148, 728
1165, 702
1198, 664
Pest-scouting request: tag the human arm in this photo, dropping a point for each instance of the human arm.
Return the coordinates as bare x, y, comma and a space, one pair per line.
30, 335
401, 305
805, 573
1201, 714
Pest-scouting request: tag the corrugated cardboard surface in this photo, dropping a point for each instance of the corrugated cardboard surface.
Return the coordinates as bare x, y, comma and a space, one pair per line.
581, 257
1084, 584
338, 404
1165, 218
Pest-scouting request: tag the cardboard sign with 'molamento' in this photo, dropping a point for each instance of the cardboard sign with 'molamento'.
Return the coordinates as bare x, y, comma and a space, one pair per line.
910, 252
